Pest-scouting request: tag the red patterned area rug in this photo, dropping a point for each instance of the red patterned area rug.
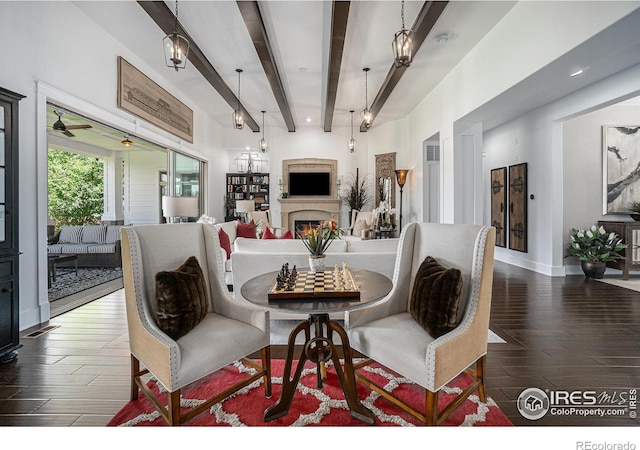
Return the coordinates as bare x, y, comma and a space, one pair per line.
310, 406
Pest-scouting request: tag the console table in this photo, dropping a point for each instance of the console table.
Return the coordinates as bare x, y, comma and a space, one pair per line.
630, 234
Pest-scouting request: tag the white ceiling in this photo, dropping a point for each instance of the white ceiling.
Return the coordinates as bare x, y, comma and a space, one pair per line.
299, 32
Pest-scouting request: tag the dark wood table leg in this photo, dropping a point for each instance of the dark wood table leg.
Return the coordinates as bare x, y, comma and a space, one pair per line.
289, 385
347, 376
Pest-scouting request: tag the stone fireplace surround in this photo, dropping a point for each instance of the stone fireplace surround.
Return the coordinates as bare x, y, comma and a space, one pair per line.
314, 207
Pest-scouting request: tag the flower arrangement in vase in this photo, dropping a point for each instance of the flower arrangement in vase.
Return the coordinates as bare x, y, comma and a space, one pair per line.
317, 239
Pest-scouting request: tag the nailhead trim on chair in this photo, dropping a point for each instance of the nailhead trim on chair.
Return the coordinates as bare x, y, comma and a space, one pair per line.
470, 313
136, 270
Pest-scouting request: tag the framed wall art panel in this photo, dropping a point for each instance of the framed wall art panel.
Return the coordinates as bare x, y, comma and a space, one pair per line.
142, 97
621, 176
499, 205
518, 228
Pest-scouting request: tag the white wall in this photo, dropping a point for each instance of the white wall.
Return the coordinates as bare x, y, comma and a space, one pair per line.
583, 168
142, 198
55, 50
306, 142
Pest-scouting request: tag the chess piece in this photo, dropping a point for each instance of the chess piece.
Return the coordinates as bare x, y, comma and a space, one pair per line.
294, 272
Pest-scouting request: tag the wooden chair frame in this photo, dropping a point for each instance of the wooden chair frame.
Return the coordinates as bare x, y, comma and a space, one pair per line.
171, 412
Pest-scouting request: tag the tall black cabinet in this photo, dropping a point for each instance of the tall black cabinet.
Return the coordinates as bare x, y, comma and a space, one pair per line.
9, 298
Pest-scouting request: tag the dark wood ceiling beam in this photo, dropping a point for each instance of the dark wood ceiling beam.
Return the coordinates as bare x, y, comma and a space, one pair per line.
424, 23
165, 19
252, 17
339, 19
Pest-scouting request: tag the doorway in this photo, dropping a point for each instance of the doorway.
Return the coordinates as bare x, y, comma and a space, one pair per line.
431, 170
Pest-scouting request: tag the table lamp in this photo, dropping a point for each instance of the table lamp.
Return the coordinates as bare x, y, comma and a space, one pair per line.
179, 207
244, 207
401, 177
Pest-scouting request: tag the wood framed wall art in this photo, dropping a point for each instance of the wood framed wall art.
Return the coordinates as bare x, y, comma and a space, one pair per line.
518, 227
499, 205
142, 97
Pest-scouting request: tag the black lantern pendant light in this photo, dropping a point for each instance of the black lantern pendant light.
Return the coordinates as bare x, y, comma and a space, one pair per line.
176, 47
262, 143
238, 117
352, 141
367, 116
403, 45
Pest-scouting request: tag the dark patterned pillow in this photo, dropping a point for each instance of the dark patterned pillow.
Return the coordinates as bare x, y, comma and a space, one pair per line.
181, 299
435, 297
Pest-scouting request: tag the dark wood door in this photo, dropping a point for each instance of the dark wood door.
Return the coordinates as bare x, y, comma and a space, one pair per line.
499, 204
9, 298
518, 207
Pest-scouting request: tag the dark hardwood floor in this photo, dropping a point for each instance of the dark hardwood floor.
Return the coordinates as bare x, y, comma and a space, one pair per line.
562, 334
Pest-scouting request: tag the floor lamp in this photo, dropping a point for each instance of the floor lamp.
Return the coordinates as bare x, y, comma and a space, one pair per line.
173, 207
401, 177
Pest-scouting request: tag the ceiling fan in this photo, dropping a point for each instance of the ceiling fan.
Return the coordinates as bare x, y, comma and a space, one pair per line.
64, 129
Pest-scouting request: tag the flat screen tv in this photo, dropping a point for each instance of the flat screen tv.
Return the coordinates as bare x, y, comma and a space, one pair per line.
309, 183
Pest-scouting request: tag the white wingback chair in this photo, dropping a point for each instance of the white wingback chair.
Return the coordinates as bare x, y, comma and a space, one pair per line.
230, 331
265, 217
387, 333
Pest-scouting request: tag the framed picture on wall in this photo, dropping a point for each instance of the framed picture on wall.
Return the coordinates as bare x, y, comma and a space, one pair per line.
621, 167
499, 205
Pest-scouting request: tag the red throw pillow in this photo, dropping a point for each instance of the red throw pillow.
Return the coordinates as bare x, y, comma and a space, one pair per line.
247, 230
268, 234
225, 243
287, 235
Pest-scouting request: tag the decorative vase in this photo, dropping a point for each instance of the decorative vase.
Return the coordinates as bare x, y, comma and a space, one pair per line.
316, 263
594, 269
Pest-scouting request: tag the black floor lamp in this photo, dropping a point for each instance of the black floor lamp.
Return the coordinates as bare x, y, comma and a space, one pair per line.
401, 177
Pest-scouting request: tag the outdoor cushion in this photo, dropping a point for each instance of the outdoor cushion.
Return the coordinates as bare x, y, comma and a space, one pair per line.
101, 248
70, 234
113, 234
94, 234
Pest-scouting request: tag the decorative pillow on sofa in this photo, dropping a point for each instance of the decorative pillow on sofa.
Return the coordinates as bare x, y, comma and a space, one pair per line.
181, 299
94, 234
225, 243
70, 234
247, 230
436, 297
268, 234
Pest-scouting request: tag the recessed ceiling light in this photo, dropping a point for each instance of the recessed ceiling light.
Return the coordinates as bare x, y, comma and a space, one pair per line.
308, 119
302, 69
578, 71
247, 148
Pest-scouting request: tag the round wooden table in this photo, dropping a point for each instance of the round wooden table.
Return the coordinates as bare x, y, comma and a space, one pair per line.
319, 348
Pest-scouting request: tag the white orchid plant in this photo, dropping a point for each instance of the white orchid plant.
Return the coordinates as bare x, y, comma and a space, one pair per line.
595, 245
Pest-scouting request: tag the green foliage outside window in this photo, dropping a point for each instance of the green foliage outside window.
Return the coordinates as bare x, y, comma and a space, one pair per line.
75, 189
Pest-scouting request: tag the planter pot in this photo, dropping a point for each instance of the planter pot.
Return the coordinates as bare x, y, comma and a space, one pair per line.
594, 269
316, 263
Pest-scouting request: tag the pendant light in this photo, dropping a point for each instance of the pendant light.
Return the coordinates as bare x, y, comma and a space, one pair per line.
176, 47
262, 143
367, 116
352, 141
403, 45
238, 117
126, 142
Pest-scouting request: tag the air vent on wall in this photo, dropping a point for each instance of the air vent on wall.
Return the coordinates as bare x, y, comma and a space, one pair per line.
433, 153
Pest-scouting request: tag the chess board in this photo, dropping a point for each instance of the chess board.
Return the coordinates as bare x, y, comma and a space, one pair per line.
318, 285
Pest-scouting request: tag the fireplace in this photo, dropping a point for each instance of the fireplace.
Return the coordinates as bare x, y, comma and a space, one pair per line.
300, 226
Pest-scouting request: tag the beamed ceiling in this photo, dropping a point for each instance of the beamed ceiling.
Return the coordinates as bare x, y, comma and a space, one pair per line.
302, 60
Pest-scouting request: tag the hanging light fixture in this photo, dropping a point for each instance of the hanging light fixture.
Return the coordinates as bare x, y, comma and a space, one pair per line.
126, 142
176, 47
352, 141
367, 115
262, 143
403, 45
238, 116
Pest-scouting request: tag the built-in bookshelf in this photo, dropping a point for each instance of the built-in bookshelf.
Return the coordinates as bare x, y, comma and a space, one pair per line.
246, 186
